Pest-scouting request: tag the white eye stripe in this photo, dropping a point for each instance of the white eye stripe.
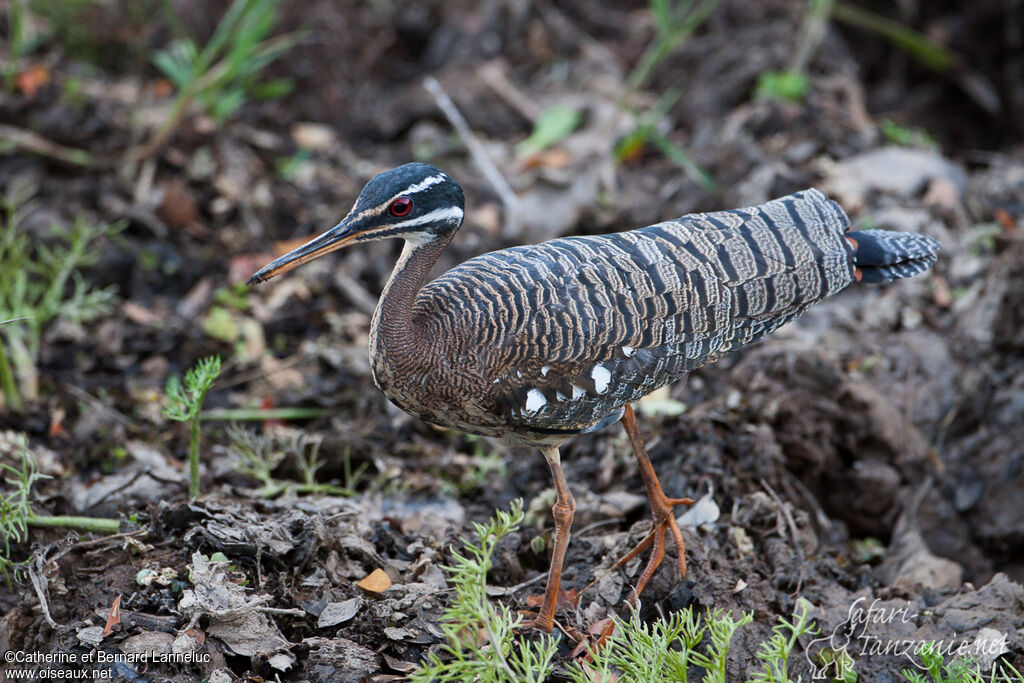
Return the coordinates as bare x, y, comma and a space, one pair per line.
449, 214
423, 184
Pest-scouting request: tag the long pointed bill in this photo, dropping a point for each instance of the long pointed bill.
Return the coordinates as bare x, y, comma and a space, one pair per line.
338, 237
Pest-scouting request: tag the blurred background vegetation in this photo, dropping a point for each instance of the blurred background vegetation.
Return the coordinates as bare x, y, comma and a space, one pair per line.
155, 153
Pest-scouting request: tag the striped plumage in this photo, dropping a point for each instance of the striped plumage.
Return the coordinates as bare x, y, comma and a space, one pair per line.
536, 344
552, 339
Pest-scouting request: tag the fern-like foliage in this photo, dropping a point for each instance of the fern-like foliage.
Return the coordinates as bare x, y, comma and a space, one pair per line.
958, 670
184, 401
481, 634
16, 504
774, 652
41, 282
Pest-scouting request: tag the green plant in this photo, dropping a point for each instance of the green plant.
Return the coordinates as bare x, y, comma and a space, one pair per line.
308, 462
663, 651
919, 46
782, 86
485, 465
41, 282
898, 134
15, 506
260, 455
644, 652
184, 404
553, 124
480, 639
674, 22
838, 661
646, 131
17, 514
721, 629
19, 40
960, 670
480, 645
774, 652
226, 71
236, 296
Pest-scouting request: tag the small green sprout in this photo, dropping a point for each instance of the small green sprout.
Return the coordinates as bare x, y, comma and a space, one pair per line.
781, 86
184, 404
15, 506
661, 651
496, 657
17, 514
260, 455
554, 124
906, 136
774, 652
225, 72
674, 22
40, 283
959, 670
721, 629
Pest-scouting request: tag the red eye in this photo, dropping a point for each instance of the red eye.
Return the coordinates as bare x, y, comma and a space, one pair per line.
401, 206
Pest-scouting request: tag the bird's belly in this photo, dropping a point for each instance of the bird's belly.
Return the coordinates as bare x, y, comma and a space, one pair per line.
462, 414
447, 400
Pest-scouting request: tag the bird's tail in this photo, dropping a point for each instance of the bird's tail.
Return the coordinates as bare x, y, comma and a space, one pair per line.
884, 255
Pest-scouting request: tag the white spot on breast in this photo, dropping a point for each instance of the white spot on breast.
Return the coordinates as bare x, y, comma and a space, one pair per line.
545, 370
628, 351
577, 391
602, 378
559, 396
534, 401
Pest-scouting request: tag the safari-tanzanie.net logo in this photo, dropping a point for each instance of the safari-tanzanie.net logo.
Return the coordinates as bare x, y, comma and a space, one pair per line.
870, 630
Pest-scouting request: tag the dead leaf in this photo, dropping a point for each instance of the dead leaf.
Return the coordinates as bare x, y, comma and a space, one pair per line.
704, 511
140, 314
162, 88
196, 635
314, 136
335, 613
178, 207
33, 78
377, 582
400, 664
114, 618
235, 616
1005, 220
90, 635
942, 193
551, 158
941, 294
57, 423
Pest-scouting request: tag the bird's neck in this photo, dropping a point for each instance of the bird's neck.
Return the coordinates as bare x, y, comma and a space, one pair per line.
395, 331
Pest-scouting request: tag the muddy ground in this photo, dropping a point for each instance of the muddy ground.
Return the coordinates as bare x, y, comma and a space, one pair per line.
870, 451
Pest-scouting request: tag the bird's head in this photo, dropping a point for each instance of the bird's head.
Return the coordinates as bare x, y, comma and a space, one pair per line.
417, 202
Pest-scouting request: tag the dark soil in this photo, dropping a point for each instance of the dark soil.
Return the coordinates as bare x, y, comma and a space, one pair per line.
871, 451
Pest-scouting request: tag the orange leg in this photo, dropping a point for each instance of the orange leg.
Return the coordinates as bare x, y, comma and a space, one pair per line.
563, 511
661, 510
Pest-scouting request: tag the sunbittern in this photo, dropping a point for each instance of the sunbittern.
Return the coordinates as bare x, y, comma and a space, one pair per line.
536, 344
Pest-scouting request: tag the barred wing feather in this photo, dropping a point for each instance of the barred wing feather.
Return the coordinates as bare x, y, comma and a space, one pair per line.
570, 330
